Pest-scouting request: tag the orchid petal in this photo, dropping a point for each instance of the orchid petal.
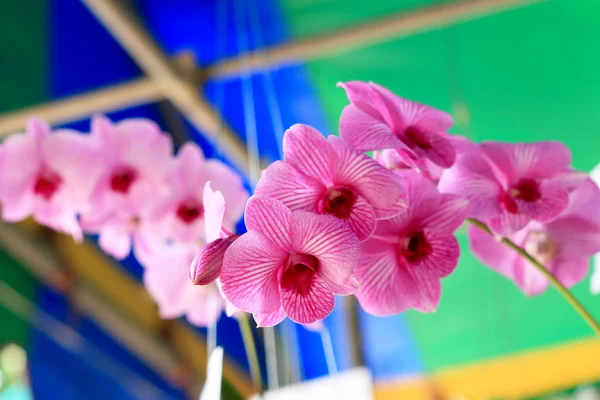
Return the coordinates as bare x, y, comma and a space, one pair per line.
449, 216
365, 132
214, 209
306, 149
271, 218
307, 305
270, 319
115, 241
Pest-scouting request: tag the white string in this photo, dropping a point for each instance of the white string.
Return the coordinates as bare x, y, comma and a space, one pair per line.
247, 95
270, 92
221, 17
328, 350
211, 339
73, 342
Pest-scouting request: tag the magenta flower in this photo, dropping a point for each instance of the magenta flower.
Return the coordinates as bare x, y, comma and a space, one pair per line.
509, 185
182, 215
377, 119
135, 157
330, 177
563, 245
47, 176
401, 265
166, 279
289, 263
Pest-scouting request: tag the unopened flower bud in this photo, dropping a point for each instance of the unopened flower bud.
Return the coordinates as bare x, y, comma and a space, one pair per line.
206, 266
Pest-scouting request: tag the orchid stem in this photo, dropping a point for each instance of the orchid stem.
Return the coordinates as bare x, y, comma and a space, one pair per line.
250, 347
540, 267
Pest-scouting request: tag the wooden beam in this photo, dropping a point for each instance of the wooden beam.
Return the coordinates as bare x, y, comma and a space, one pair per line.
111, 98
181, 92
381, 30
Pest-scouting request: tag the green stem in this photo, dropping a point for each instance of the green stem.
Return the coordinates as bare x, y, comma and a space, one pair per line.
540, 267
250, 347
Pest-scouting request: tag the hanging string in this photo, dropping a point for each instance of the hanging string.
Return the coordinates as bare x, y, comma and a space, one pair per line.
270, 92
247, 94
73, 342
221, 22
328, 349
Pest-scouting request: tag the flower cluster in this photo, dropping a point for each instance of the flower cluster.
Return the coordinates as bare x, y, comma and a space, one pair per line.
122, 183
326, 220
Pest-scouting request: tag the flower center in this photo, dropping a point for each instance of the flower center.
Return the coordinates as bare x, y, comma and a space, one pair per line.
189, 211
122, 179
299, 273
338, 201
47, 184
541, 246
527, 190
415, 247
417, 137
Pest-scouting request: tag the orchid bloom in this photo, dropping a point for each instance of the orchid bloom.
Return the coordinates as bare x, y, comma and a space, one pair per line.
166, 279
289, 263
135, 158
377, 119
563, 245
509, 185
391, 160
48, 176
181, 216
327, 176
401, 265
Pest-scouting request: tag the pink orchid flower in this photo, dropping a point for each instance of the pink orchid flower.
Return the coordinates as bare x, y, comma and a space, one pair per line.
401, 265
377, 119
509, 185
136, 156
48, 176
563, 245
289, 263
166, 279
327, 176
391, 160
182, 215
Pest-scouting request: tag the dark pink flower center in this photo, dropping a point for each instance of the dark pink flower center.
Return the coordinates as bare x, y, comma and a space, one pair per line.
189, 211
415, 247
122, 179
526, 190
338, 201
418, 137
47, 184
299, 273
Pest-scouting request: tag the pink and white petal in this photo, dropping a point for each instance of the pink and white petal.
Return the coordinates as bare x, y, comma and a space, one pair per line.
188, 169
230, 309
507, 224
430, 289
443, 259
115, 241
270, 218
378, 185
482, 193
387, 288
491, 252
553, 201
214, 210
308, 151
449, 217
18, 177
366, 98
269, 319
439, 150
329, 240
576, 237
527, 277
230, 184
204, 305
396, 225
365, 132
250, 273
362, 219
528, 160
349, 287
285, 183
595, 278
410, 113
571, 271
17, 206
38, 129
307, 306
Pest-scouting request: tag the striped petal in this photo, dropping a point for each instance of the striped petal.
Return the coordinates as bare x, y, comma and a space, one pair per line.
271, 218
285, 183
306, 298
366, 132
449, 216
330, 241
306, 149
269, 319
249, 275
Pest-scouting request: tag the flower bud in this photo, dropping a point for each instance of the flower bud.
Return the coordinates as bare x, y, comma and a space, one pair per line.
206, 266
